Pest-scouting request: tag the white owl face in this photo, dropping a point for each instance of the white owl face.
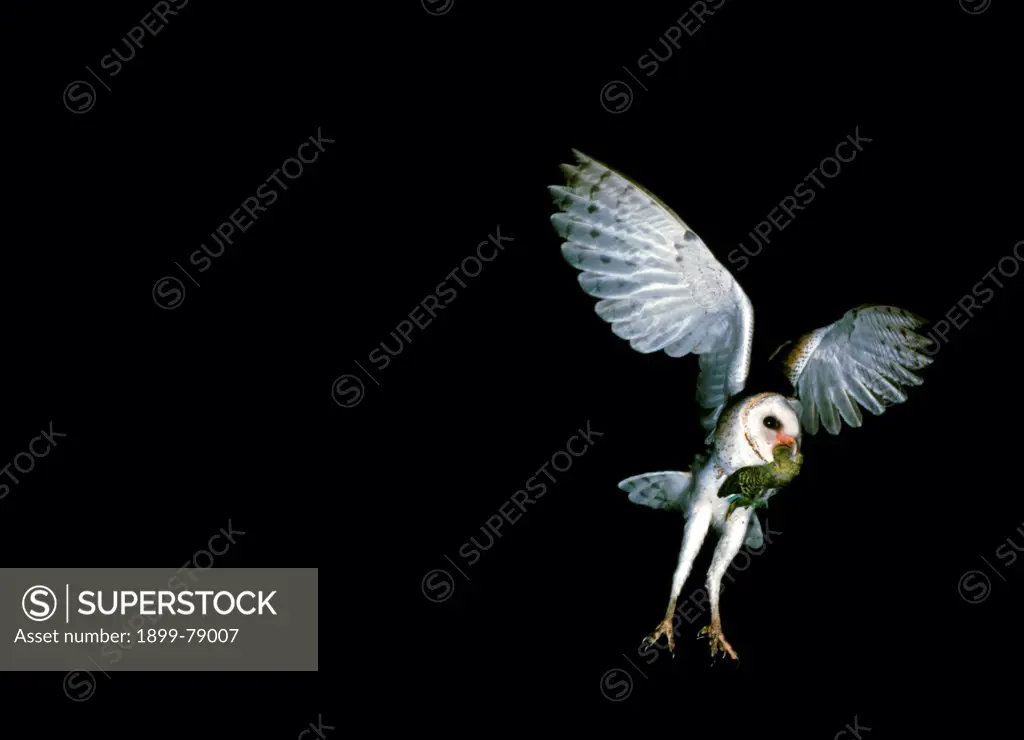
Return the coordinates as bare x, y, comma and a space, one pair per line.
769, 421
749, 431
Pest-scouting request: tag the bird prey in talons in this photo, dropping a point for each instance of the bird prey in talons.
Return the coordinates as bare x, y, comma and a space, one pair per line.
661, 288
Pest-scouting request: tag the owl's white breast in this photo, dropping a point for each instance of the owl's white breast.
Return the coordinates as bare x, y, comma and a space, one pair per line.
710, 477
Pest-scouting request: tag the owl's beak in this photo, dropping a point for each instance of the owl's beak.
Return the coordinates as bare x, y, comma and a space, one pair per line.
782, 438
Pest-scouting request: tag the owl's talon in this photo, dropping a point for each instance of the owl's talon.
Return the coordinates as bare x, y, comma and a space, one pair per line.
664, 629
717, 640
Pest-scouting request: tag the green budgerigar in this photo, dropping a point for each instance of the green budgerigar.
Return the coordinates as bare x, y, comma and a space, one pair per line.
747, 485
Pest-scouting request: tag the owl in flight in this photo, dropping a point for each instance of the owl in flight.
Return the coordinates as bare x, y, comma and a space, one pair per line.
661, 288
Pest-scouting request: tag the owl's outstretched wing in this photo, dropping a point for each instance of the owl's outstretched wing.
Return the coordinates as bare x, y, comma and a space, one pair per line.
864, 359
659, 285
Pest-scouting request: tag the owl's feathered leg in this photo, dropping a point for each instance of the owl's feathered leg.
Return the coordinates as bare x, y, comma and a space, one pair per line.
693, 537
734, 534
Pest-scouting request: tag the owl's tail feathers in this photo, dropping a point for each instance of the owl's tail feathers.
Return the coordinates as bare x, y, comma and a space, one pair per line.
670, 490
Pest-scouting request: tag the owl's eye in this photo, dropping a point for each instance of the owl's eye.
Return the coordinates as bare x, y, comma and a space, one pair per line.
771, 422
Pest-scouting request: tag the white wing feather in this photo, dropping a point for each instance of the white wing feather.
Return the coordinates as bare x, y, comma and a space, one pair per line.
862, 360
659, 285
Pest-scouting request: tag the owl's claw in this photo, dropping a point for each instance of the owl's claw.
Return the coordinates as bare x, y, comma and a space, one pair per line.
736, 500
716, 640
664, 629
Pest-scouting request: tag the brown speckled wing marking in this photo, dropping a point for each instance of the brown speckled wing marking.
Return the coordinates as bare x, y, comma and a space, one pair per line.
861, 361
659, 286
802, 350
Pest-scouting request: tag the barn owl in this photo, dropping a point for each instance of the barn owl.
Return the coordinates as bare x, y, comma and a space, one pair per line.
662, 289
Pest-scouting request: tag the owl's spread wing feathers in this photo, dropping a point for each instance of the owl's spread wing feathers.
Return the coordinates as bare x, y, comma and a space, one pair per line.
657, 283
862, 360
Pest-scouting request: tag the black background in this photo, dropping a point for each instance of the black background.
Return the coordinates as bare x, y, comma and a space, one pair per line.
446, 126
